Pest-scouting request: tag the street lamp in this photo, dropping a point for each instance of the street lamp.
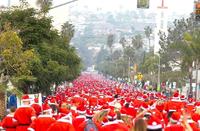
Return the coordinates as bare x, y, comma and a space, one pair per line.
158, 80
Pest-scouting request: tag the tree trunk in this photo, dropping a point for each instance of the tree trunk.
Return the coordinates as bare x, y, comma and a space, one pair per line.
2, 104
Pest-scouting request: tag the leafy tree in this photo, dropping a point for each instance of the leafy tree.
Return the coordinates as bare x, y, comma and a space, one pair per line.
173, 45
15, 62
67, 32
56, 61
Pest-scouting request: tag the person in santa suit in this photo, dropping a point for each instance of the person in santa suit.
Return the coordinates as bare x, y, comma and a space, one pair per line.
113, 124
80, 118
1, 128
174, 124
89, 116
63, 124
9, 123
25, 114
43, 122
36, 107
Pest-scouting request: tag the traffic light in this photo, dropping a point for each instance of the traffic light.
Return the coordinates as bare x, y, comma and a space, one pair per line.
143, 4
197, 11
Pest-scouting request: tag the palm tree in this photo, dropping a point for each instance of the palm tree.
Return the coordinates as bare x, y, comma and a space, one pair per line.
137, 42
44, 5
148, 31
110, 42
67, 31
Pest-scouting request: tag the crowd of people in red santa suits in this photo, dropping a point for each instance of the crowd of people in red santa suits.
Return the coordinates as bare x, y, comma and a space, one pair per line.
108, 106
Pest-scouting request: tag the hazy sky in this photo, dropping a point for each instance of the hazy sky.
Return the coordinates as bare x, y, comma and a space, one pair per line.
177, 5
60, 14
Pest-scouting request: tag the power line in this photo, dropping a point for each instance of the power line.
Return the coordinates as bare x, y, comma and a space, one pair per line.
63, 4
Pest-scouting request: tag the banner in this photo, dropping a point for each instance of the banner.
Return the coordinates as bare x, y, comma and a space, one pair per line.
143, 4
32, 97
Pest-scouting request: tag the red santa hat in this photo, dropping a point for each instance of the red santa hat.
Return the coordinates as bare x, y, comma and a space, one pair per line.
160, 107
123, 112
64, 112
175, 117
112, 115
81, 109
145, 97
176, 95
128, 99
89, 113
190, 100
197, 104
195, 117
25, 98
52, 101
46, 108
182, 97
144, 106
154, 123
36, 100
105, 106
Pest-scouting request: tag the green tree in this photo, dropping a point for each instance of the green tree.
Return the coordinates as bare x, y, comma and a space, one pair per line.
148, 32
51, 49
44, 5
67, 32
123, 42
110, 42
137, 41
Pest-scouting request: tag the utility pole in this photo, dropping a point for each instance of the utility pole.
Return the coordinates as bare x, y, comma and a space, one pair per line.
196, 80
129, 62
158, 85
9, 1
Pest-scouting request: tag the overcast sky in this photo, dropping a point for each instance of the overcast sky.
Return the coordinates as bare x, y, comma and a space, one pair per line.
60, 14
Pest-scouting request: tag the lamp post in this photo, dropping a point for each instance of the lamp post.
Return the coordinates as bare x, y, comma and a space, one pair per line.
158, 85
190, 78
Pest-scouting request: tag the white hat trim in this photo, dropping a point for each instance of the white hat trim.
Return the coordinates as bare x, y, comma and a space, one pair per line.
89, 115
69, 115
110, 123
154, 127
48, 110
81, 116
172, 110
110, 117
81, 112
174, 121
44, 116
30, 129
64, 120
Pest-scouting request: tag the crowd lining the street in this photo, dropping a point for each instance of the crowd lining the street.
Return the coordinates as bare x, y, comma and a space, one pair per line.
94, 103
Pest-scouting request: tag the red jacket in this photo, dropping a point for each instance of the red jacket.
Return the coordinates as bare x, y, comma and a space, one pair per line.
174, 128
9, 123
61, 125
42, 123
37, 108
23, 116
